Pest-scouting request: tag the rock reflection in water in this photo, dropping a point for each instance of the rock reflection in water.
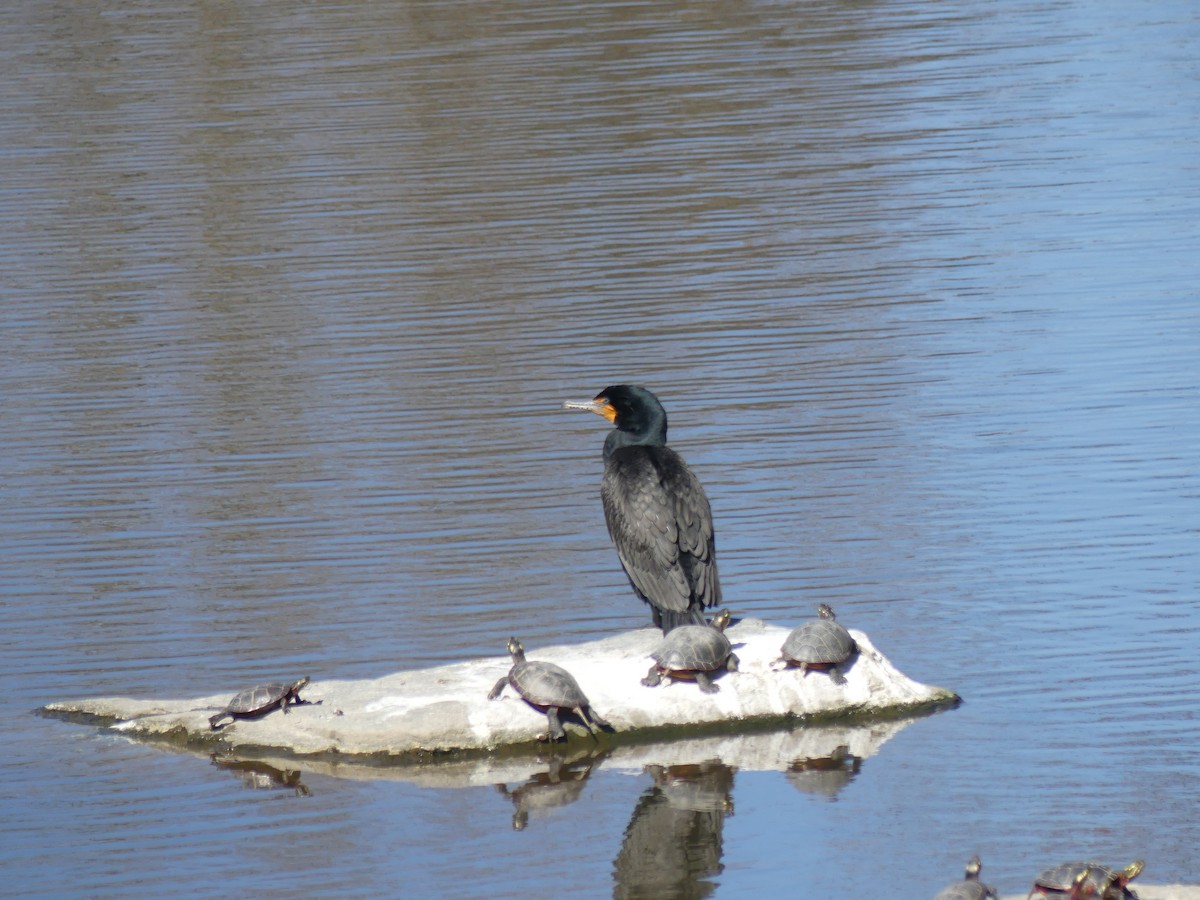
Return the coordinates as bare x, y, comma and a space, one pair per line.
675, 839
257, 775
824, 776
560, 785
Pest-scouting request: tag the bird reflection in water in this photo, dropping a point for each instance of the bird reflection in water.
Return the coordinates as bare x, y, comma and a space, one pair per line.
824, 776
674, 841
560, 785
257, 775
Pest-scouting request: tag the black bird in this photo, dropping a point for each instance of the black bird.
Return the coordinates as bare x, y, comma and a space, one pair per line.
658, 516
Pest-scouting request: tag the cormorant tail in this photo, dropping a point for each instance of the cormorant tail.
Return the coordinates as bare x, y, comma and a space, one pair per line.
671, 619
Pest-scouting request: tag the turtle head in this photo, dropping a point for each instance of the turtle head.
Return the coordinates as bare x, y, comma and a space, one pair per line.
515, 648
721, 619
825, 611
1130, 872
973, 867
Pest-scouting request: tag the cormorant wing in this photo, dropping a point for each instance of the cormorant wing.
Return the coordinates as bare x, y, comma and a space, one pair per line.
661, 524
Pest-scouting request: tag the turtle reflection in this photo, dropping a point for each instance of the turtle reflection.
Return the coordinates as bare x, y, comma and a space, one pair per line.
824, 776
257, 775
674, 841
560, 785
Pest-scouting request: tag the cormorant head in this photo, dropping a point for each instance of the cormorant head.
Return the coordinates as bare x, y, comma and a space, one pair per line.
632, 409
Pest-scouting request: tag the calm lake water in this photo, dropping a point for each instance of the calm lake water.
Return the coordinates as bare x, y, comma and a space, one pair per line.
292, 294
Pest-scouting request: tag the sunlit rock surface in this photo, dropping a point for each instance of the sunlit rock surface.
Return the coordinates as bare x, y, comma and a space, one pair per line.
446, 708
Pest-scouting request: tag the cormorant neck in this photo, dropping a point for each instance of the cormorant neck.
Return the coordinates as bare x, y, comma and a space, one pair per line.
651, 433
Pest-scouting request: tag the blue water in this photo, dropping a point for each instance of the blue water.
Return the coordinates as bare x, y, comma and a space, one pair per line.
291, 299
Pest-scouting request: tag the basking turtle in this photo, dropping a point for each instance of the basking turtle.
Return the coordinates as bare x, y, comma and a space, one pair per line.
1090, 880
260, 700
821, 644
548, 688
970, 888
692, 651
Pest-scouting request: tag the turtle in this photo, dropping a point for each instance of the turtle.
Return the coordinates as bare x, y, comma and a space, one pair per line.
970, 888
692, 651
260, 700
1090, 880
548, 688
821, 645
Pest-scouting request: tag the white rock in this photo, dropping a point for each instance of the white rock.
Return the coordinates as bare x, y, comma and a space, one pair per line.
446, 708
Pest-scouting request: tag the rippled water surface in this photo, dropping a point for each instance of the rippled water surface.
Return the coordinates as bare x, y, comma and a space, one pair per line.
292, 294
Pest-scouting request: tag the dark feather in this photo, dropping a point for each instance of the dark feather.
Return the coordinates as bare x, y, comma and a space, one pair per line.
661, 523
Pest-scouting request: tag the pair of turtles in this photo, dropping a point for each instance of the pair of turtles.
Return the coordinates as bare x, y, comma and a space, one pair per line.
694, 651
1086, 881
260, 700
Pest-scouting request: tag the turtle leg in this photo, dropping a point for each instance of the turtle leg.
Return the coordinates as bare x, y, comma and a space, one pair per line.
705, 683
836, 674
653, 678
732, 663
496, 691
589, 714
581, 712
556, 729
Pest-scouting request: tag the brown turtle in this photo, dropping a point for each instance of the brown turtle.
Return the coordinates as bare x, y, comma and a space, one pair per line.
260, 700
1086, 881
691, 652
548, 688
821, 645
970, 888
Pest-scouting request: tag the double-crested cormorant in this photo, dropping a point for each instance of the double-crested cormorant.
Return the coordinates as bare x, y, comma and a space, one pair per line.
658, 516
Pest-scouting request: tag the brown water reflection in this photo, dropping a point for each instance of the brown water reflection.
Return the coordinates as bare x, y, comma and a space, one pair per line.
673, 845
291, 294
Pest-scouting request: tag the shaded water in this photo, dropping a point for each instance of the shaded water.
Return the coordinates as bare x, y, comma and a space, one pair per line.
291, 297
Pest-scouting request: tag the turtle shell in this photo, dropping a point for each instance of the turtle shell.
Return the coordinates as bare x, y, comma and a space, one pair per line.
693, 648
1088, 879
821, 642
258, 698
966, 890
545, 684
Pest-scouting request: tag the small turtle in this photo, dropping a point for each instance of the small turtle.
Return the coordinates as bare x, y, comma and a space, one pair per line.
821, 644
692, 651
260, 700
970, 888
1087, 881
548, 688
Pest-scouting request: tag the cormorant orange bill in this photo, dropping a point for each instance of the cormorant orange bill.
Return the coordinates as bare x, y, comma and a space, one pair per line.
600, 406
